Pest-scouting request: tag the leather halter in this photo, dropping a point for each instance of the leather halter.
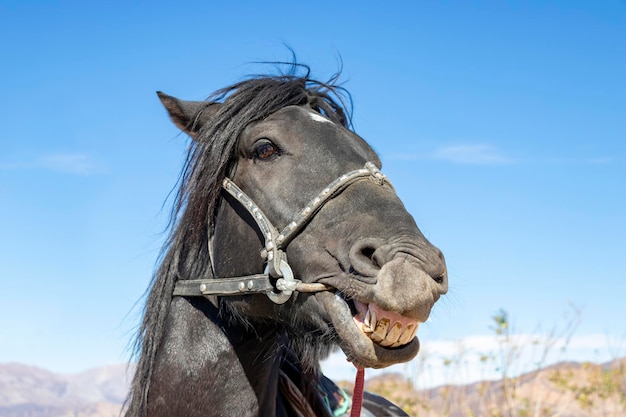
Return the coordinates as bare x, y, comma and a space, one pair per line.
276, 242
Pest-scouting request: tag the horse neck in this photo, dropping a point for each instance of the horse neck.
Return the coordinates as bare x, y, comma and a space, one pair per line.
260, 351
206, 367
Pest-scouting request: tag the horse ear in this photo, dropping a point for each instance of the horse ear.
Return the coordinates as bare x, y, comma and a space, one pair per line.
189, 116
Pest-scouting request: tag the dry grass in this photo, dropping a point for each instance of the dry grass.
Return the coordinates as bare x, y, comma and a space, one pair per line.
566, 389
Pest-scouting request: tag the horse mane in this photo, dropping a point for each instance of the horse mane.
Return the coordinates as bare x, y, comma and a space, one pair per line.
210, 158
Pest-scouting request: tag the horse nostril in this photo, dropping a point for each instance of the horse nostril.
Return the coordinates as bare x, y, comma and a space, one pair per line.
441, 281
368, 253
364, 258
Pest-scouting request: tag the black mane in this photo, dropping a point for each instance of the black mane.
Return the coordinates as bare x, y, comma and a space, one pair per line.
210, 159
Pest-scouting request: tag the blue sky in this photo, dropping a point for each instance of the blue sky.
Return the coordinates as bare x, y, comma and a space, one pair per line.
501, 124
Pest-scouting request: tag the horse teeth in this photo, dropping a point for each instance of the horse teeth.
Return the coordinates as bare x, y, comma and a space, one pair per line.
373, 318
380, 332
408, 334
395, 333
392, 336
385, 343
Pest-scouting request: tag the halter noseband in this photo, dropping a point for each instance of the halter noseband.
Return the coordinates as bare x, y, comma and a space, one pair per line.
275, 244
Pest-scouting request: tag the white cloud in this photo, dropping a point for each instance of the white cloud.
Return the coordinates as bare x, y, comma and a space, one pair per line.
483, 154
469, 154
601, 160
79, 164
68, 163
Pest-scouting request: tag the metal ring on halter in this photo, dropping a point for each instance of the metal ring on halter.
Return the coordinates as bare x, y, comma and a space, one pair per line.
286, 285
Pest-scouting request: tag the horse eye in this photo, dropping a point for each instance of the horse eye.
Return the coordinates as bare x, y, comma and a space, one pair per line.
265, 150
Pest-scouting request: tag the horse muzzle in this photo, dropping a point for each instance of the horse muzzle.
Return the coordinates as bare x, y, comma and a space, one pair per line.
377, 322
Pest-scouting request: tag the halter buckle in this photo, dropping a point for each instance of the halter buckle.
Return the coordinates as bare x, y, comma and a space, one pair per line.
286, 285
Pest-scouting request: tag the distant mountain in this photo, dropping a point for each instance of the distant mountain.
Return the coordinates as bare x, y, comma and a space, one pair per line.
28, 391
567, 389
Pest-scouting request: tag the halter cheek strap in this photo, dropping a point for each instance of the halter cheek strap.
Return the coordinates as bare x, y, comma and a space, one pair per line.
275, 244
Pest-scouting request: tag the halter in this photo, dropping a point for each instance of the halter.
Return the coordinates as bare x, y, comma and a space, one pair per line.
275, 244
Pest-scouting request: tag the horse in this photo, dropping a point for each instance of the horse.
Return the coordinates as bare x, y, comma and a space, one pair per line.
285, 241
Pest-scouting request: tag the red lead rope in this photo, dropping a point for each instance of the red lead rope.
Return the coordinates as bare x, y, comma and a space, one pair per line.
357, 395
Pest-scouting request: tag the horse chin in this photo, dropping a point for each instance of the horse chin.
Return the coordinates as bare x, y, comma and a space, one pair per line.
356, 343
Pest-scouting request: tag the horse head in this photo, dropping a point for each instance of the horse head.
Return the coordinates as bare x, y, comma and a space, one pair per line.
380, 276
